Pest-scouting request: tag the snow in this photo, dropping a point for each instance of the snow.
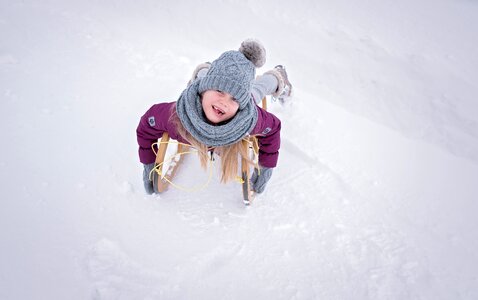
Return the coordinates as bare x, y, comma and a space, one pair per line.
373, 197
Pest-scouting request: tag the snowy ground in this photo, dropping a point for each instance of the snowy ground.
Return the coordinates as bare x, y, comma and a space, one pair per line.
374, 196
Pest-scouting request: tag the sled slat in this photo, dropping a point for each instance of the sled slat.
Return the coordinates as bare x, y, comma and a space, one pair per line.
161, 184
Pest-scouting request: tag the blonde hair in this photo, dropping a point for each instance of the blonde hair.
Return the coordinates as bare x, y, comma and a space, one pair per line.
229, 154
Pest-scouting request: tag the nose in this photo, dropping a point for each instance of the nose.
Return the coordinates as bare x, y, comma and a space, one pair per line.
223, 101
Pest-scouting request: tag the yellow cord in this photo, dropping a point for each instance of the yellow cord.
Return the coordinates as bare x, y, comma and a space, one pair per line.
158, 168
239, 179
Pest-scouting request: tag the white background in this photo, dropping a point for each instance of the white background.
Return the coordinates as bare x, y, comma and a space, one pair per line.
374, 196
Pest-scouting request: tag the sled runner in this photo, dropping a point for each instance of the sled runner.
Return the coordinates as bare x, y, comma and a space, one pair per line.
166, 167
252, 147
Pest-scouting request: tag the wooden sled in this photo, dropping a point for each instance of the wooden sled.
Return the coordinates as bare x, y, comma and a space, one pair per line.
247, 193
162, 178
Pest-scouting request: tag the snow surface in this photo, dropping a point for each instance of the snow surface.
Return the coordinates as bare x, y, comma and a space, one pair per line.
374, 196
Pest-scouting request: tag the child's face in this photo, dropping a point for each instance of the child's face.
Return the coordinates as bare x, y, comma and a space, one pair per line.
218, 106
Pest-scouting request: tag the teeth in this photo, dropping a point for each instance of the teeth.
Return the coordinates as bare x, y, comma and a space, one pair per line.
218, 110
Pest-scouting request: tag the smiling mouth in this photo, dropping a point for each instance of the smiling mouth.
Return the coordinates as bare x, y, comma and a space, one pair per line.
218, 111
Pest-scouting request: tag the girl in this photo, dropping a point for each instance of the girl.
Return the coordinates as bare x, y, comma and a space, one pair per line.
217, 110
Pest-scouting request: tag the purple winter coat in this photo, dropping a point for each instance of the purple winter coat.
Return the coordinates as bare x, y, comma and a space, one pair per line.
267, 131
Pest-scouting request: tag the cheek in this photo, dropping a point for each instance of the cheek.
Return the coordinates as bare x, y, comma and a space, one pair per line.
204, 103
234, 107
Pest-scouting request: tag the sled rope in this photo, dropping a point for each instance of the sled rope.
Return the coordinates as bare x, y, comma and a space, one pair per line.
194, 188
158, 167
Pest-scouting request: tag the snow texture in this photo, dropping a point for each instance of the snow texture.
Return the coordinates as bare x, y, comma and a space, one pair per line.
374, 196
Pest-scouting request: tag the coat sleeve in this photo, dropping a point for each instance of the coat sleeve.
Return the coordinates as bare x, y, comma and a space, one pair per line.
267, 132
150, 128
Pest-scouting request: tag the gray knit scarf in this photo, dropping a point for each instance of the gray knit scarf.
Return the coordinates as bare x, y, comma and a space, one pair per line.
190, 113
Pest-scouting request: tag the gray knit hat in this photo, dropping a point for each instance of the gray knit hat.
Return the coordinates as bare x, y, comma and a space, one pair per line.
234, 71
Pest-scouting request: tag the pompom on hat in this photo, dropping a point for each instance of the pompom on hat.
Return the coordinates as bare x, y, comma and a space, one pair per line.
234, 71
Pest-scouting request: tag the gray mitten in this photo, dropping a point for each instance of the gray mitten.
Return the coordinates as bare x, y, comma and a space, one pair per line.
148, 184
200, 71
259, 182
